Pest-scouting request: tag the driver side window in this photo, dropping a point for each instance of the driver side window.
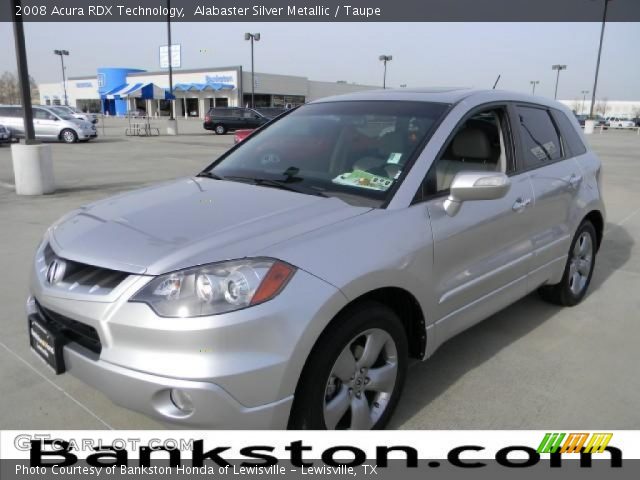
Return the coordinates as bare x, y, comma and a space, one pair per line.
480, 144
42, 114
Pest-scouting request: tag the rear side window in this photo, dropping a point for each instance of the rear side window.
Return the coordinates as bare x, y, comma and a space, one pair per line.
539, 136
10, 112
220, 113
570, 136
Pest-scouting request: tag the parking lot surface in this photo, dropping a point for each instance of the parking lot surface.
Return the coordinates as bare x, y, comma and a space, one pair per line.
530, 366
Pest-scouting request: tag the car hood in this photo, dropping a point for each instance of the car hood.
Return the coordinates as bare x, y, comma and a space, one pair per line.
189, 222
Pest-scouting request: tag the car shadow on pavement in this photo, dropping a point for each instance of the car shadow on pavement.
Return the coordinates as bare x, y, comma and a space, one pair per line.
106, 188
614, 253
426, 381
106, 139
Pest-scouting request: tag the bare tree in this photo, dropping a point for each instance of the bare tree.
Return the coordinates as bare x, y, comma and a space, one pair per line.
10, 89
601, 106
576, 106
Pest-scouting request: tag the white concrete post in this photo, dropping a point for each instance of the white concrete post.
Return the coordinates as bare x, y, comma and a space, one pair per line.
589, 126
32, 169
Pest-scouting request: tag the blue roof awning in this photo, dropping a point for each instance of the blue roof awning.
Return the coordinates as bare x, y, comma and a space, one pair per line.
148, 91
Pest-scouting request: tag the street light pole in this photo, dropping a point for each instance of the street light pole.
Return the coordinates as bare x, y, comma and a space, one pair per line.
170, 59
558, 68
23, 75
595, 81
533, 86
31, 161
252, 37
62, 54
385, 59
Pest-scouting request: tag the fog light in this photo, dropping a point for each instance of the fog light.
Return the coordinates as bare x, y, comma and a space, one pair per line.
31, 306
182, 400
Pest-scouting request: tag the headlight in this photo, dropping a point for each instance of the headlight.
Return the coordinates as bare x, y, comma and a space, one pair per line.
215, 288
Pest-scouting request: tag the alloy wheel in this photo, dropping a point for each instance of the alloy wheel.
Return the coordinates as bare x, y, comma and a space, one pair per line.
580, 263
69, 136
361, 381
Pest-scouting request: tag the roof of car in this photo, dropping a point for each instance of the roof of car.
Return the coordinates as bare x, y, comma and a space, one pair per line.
440, 94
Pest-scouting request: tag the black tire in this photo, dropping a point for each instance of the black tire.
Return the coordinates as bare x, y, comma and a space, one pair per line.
562, 293
68, 136
220, 129
308, 407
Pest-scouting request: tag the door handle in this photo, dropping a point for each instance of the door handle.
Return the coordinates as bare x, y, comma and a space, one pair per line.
574, 181
520, 204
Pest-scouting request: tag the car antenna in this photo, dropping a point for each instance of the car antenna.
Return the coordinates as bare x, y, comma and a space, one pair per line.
497, 80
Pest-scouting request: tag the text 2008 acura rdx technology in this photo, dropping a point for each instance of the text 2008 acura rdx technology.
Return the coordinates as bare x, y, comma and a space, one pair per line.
289, 282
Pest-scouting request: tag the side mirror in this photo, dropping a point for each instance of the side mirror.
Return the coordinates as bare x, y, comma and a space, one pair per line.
467, 186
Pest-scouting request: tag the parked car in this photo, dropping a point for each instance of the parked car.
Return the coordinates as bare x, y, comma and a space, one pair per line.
581, 119
620, 122
636, 121
303, 268
48, 124
76, 113
5, 135
228, 119
241, 135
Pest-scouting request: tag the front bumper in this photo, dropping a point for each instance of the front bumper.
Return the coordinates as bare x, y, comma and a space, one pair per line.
149, 394
240, 369
85, 134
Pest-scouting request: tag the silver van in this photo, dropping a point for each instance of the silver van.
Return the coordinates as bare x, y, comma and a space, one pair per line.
48, 124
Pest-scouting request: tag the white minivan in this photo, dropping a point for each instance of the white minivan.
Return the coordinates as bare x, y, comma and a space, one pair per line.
48, 125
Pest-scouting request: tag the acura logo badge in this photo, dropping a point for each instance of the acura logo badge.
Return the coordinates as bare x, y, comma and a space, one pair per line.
56, 270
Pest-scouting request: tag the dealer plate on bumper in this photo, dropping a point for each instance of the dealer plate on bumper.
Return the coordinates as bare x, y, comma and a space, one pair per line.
47, 344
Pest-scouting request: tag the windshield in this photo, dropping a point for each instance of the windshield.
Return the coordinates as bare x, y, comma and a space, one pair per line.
63, 113
354, 150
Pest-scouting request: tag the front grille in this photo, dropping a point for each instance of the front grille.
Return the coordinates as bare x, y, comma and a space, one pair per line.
80, 277
73, 330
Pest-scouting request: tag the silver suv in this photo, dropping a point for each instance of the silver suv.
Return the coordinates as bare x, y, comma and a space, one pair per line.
48, 124
290, 282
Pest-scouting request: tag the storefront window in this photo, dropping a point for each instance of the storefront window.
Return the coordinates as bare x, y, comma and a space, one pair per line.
288, 100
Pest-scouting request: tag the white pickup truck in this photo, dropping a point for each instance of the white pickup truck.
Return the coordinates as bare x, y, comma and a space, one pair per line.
620, 122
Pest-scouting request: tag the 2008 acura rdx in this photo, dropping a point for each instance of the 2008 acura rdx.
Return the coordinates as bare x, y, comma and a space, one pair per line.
289, 282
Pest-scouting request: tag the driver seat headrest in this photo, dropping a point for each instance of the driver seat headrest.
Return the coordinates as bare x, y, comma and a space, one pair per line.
471, 143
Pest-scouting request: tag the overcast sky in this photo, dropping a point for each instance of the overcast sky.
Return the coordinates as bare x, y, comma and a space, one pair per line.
424, 54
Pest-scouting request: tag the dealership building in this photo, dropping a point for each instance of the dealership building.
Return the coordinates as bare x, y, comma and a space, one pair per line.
115, 91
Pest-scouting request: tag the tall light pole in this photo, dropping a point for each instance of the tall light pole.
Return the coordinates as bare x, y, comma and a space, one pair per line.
533, 86
595, 81
558, 68
253, 37
23, 75
170, 60
62, 54
584, 97
385, 59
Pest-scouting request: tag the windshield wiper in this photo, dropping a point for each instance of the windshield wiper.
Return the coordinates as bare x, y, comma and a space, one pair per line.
210, 174
281, 184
